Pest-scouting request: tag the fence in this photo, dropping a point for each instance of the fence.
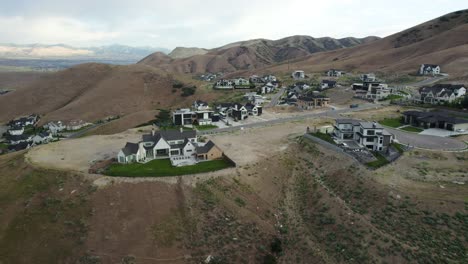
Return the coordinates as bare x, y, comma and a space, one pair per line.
229, 160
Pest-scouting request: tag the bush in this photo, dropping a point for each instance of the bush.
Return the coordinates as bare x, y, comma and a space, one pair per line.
276, 246
177, 85
188, 91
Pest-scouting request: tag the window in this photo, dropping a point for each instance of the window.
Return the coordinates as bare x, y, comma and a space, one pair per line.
370, 132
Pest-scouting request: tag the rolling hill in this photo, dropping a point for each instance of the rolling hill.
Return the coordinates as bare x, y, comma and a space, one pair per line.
247, 55
443, 41
92, 92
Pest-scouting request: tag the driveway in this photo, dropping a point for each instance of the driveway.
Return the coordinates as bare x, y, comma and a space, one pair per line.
276, 97
427, 81
427, 141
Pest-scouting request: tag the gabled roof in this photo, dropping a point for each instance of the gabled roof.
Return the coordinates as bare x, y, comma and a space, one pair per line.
206, 148
430, 65
249, 106
433, 117
20, 146
177, 135
130, 149
17, 137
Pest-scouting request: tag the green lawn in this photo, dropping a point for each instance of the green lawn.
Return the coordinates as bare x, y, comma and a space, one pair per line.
161, 168
392, 122
206, 127
381, 161
323, 136
413, 129
398, 147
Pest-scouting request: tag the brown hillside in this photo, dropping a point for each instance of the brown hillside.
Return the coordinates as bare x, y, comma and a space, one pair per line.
92, 92
251, 54
441, 41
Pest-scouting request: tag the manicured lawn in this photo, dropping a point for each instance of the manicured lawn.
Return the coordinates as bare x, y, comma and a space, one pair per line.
413, 129
381, 161
392, 122
206, 127
160, 168
323, 136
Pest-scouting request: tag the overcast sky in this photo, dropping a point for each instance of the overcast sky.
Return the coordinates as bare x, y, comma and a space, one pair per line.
207, 23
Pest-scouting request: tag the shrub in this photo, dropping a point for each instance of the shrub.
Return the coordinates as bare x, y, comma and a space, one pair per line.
188, 91
276, 246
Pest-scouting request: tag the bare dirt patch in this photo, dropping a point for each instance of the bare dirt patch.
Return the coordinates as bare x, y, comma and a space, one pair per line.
377, 114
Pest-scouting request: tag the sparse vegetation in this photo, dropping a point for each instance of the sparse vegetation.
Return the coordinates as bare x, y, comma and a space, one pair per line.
381, 161
326, 137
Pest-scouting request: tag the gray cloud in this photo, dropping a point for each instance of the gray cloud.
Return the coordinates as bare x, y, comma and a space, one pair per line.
205, 23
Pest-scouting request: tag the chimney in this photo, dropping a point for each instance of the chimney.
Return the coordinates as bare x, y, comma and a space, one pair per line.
152, 132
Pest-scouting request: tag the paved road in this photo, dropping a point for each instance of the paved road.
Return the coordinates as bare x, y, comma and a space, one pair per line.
328, 113
276, 97
82, 132
418, 141
427, 141
427, 81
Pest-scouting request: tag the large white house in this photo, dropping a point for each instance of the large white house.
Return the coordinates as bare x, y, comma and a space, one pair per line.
441, 93
367, 134
171, 144
429, 69
55, 127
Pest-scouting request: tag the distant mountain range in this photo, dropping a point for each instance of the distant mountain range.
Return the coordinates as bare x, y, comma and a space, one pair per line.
61, 51
94, 91
248, 55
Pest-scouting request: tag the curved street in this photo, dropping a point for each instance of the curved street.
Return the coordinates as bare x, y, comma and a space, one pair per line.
427, 141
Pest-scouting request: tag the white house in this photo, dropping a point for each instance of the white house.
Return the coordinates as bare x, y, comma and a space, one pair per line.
76, 125
335, 73
41, 138
368, 77
441, 93
55, 127
298, 75
429, 69
366, 134
17, 139
16, 131
201, 105
224, 84
241, 83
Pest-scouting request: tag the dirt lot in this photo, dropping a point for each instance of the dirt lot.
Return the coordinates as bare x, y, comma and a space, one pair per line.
243, 147
377, 114
342, 97
78, 154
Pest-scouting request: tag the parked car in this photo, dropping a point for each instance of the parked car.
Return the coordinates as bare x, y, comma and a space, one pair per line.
354, 106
